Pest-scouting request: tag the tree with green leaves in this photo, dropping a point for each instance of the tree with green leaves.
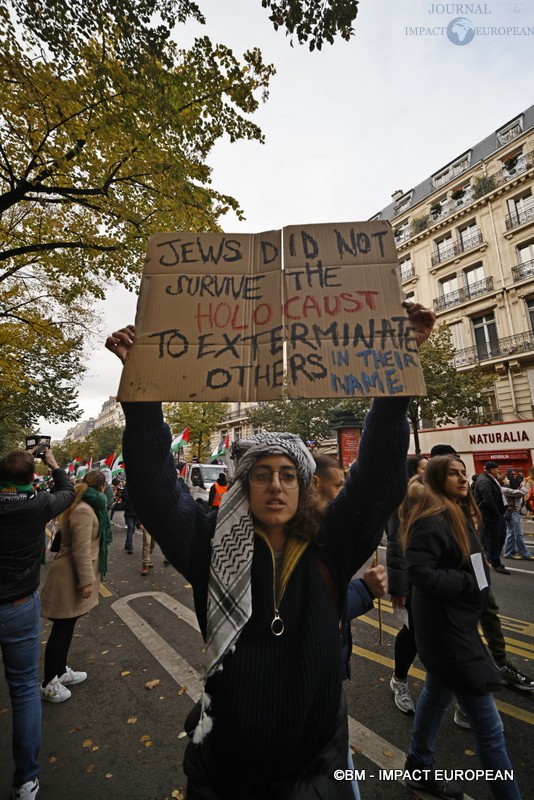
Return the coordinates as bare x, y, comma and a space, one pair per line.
99, 444
105, 130
309, 419
96, 154
40, 364
202, 418
147, 24
450, 394
102, 442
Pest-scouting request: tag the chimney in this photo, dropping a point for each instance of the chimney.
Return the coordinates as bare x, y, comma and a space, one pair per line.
397, 194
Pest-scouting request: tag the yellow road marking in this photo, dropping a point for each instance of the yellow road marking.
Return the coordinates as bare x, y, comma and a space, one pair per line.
526, 627
515, 646
504, 708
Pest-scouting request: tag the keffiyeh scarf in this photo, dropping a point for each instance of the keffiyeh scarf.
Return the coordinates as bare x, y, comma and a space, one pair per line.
229, 589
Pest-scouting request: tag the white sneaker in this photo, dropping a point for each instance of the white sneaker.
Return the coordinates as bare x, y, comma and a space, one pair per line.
460, 718
27, 791
55, 692
70, 677
403, 699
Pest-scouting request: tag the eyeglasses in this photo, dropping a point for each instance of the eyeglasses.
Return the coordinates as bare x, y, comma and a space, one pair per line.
263, 476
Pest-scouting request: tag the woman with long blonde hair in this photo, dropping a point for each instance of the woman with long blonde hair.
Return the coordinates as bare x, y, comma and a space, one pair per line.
450, 580
71, 587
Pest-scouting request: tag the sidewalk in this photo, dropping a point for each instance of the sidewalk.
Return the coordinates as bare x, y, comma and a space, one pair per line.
116, 738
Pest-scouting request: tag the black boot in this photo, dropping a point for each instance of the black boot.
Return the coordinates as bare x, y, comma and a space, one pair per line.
425, 778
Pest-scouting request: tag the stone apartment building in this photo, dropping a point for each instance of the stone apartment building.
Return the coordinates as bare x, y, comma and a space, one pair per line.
465, 242
111, 413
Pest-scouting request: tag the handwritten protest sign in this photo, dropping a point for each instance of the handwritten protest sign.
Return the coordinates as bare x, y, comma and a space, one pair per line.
234, 317
347, 332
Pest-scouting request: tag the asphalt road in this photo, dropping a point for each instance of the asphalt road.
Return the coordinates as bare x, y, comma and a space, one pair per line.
117, 738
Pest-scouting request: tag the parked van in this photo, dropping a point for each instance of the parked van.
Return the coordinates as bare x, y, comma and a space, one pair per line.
201, 477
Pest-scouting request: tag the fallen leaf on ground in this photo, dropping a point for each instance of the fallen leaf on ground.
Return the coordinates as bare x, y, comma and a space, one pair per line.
469, 752
182, 690
95, 747
152, 684
87, 743
388, 753
76, 728
148, 744
109, 774
52, 760
182, 735
177, 794
104, 652
126, 672
90, 768
187, 586
144, 738
132, 720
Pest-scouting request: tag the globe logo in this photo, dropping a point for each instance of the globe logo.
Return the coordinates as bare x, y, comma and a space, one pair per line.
460, 31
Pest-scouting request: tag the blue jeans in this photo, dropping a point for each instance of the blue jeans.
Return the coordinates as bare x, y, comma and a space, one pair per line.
515, 541
20, 634
355, 787
130, 530
486, 726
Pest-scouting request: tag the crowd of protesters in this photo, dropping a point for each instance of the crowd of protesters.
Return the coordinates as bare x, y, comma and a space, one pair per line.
272, 564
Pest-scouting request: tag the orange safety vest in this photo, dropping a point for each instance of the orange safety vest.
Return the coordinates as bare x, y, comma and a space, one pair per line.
218, 495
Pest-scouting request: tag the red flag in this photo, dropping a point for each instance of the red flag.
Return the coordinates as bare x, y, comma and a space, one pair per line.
109, 460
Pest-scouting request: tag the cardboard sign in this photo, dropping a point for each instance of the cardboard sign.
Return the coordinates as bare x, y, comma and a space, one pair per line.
223, 317
347, 332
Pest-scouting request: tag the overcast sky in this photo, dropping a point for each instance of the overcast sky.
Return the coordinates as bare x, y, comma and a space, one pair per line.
347, 126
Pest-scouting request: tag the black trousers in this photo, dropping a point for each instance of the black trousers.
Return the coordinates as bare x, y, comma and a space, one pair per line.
57, 648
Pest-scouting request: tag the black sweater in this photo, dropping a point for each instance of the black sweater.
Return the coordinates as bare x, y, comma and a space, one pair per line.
23, 517
275, 702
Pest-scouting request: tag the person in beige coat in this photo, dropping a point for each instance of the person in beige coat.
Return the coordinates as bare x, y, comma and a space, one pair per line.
71, 587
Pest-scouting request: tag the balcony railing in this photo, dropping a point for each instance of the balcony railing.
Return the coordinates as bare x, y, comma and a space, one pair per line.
464, 294
509, 346
455, 248
519, 217
443, 255
484, 185
522, 271
493, 416
407, 273
402, 236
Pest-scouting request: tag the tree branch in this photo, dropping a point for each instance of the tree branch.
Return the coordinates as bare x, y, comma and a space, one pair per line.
45, 247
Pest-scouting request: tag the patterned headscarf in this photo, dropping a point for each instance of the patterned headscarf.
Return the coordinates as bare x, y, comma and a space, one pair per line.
229, 589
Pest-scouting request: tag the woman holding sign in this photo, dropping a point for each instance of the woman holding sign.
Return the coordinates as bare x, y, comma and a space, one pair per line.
449, 579
269, 573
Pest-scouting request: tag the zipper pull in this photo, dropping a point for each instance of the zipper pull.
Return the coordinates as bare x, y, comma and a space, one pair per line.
277, 625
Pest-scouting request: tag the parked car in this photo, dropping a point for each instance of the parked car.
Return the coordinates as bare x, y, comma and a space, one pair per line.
200, 478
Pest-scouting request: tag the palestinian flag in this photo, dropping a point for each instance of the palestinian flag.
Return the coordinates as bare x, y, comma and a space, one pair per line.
105, 463
222, 449
84, 469
108, 462
180, 440
71, 466
117, 465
